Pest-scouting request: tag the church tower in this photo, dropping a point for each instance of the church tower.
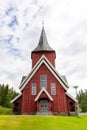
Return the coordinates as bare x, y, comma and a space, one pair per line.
43, 48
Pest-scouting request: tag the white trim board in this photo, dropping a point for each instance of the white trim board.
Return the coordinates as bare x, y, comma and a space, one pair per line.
16, 97
41, 91
44, 60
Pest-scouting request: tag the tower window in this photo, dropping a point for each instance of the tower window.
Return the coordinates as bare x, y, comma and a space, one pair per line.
34, 88
43, 81
53, 88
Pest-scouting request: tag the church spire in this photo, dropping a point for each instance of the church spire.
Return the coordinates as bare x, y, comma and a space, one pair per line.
43, 43
43, 48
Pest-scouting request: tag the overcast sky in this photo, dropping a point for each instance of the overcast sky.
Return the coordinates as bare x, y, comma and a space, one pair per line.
65, 24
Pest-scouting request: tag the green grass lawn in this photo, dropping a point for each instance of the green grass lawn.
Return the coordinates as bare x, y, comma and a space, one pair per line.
17, 122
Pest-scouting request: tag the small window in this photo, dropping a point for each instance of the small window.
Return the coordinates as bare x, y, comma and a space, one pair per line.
33, 88
53, 89
43, 81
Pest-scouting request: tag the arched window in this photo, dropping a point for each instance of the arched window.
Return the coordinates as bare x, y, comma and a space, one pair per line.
53, 88
43, 81
34, 89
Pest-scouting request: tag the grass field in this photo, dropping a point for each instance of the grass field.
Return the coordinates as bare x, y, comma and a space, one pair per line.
42, 123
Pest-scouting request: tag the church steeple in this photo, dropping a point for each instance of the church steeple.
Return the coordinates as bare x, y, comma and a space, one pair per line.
43, 48
43, 43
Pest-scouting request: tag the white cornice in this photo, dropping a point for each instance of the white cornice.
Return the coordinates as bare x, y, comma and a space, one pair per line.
69, 95
16, 97
41, 91
44, 60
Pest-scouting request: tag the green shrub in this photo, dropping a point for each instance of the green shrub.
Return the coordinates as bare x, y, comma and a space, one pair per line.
5, 111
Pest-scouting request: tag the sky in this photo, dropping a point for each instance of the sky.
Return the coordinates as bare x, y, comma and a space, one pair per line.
65, 23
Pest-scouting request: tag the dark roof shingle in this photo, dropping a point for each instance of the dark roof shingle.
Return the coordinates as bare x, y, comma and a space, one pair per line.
43, 43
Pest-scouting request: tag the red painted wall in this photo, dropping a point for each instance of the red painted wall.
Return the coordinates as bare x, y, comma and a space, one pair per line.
37, 55
59, 104
68, 100
19, 101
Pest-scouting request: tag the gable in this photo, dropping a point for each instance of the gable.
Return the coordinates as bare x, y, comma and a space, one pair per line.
44, 60
43, 95
41, 92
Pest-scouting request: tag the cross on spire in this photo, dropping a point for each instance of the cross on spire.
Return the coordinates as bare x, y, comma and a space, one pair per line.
43, 43
43, 23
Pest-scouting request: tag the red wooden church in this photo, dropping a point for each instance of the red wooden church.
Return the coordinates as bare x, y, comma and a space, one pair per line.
43, 89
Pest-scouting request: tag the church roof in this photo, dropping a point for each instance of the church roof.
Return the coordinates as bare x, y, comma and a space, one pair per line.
43, 43
23, 78
64, 78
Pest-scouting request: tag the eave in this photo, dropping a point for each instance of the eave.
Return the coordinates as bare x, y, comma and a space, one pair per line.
70, 96
16, 98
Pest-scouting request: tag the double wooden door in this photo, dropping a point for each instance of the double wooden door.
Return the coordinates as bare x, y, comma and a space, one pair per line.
44, 105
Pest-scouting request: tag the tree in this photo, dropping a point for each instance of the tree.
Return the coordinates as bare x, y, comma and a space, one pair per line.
6, 95
82, 99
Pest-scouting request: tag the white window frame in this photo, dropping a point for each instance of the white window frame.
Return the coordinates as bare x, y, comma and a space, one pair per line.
44, 81
53, 89
34, 88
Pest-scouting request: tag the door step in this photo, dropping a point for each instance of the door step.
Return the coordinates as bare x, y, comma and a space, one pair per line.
44, 113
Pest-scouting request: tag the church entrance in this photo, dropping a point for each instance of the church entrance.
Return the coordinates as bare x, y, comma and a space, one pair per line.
44, 105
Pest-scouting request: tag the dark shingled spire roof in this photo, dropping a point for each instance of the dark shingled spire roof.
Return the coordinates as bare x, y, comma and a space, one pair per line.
43, 44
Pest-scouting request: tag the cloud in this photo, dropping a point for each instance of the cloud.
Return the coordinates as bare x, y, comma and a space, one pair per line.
16, 32
66, 30
14, 22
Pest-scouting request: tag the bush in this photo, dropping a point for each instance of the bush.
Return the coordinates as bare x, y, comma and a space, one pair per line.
5, 111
